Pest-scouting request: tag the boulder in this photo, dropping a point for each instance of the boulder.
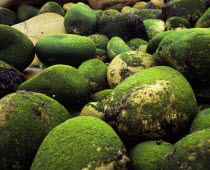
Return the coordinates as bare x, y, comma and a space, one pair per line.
25, 12
7, 17
52, 7
174, 23
204, 20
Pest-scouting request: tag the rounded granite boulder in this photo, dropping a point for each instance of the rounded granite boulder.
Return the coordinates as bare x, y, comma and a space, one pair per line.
10, 79
126, 64
25, 119
150, 155
83, 142
68, 49
16, 48
62, 82
80, 19
155, 103
191, 152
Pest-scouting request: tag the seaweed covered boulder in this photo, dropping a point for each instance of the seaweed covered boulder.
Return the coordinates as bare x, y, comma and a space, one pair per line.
16, 48
138, 44
83, 142
10, 79
101, 96
7, 17
25, 120
204, 20
188, 52
52, 7
62, 82
154, 103
25, 12
66, 49
124, 25
191, 10
100, 40
201, 121
80, 19
95, 71
174, 23
150, 154
149, 13
126, 64
191, 152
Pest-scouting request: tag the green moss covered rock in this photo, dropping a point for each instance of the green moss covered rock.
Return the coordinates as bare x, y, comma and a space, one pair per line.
154, 103
100, 40
201, 121
204, 20
52, 7
188, 52
83, 142
95, 70
124, 25
16, 48
25, 119
126, 64
95, 109
174, 23
80, 19
154, 42
191, 10
66, 49
154, 26
63, 83
137, 44
116, 46
7, 17
102, 55
150, 155
191, 152
10, 79
26, 12
101, 96
149, 13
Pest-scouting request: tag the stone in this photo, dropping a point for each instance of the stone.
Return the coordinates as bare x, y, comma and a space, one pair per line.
204, 20
7, 17
25, 12
140, 5
174, 23
52, 7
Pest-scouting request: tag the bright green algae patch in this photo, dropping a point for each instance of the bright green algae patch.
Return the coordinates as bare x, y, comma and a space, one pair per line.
62, 82
201, 121
150, 155
192, 152
25, 119
16, 48
66, 49
154, 103
82, 142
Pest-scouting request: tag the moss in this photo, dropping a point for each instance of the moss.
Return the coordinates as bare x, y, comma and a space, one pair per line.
136, 43
150, 154
95, 109
191, 10
16, 48
102, 55
126, 64
51, 7
192, 152
82, 142
116, 46
124, 25
101, 95
154, 26
188, 52
172, 104
7, 17
204, 20
95, 70
149, 5
65, 49
100, 40
154, 42
80, 19
26, 12
10, 79
177, 22
201, 121
63, 83
25, 119
149, 13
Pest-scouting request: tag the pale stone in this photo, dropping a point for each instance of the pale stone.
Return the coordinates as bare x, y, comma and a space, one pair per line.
140, 5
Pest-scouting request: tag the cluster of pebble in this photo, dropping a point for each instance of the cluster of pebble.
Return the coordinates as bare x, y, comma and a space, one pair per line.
105, 84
